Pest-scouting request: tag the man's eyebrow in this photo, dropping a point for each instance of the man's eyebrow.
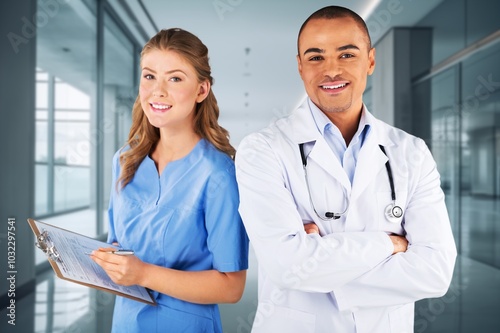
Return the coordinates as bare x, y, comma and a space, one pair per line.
347, 47
341, 48
314, 50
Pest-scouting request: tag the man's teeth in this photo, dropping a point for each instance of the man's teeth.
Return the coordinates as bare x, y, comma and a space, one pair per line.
336, 86
161, 107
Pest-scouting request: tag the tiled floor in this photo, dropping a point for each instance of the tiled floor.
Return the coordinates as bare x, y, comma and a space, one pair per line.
472, 305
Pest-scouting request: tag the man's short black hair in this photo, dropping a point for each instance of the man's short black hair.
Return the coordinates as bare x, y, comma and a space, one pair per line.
333, 12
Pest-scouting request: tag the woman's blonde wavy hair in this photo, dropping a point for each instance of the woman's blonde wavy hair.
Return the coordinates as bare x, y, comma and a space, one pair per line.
143, 137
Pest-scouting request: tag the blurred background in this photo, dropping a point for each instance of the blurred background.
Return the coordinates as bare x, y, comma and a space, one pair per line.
68, 79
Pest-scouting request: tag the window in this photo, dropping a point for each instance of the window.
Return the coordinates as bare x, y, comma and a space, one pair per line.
82, 117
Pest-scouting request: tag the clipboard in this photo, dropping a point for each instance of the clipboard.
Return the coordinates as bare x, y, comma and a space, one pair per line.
66, 253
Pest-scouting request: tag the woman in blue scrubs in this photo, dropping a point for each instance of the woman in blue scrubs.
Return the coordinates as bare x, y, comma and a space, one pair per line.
174, 199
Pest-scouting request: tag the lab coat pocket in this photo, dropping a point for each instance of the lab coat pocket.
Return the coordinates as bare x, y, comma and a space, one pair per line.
401, 319
386, 220
283, 319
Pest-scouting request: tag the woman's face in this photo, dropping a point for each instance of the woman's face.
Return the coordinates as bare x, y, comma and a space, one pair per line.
169, 90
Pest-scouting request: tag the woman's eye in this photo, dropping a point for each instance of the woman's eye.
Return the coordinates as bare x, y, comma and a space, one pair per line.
175, 79
148, 77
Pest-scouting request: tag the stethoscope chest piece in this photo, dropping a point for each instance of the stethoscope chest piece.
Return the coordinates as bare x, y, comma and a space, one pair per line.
393, 213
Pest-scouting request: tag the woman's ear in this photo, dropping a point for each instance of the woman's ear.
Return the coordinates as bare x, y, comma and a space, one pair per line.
203, 91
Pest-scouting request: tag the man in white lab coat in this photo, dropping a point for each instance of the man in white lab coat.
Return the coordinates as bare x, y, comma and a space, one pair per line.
345, 213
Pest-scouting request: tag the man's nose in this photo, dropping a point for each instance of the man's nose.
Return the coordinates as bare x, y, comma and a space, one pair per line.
332, 67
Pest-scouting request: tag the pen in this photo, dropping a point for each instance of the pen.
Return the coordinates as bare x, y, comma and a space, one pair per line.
123, 252
118, 252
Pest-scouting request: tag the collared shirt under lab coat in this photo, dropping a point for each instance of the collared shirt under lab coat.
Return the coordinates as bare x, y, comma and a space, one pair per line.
345, 279
347, 156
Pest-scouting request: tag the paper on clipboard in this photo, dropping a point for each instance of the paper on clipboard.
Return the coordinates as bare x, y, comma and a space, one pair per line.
66, 254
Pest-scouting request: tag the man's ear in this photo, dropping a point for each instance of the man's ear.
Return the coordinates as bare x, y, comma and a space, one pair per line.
299, 65
203, 91
371, 59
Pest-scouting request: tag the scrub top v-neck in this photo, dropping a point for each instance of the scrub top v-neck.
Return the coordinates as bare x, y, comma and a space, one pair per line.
186, 219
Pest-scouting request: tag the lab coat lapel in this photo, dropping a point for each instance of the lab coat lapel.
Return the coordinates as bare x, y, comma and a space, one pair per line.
304, 130
370, 160
322, 155
303, 125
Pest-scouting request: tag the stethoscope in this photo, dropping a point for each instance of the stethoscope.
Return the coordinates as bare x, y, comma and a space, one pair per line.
392, 212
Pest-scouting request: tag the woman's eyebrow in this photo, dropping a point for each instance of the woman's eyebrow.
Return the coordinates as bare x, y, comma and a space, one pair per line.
167, 72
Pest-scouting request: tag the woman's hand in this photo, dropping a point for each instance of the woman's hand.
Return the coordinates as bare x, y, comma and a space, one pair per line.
124, 270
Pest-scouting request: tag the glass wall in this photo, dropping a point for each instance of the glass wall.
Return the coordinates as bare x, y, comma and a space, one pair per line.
458, 24
462, 94
120, 91
84, 97
85, 88
445, 136
65, 99
480, 91
465, 108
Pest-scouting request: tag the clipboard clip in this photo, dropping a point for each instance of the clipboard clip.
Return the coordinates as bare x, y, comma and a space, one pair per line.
44, 243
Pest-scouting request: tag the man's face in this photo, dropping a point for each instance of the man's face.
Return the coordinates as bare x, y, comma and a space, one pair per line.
334, 61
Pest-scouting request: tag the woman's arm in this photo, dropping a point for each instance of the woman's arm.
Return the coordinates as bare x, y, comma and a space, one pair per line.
202, 287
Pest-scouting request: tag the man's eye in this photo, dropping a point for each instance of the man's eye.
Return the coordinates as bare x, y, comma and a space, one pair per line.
347, 55
316, 58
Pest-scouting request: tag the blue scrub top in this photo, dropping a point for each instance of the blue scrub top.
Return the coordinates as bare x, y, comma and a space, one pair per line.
185, 219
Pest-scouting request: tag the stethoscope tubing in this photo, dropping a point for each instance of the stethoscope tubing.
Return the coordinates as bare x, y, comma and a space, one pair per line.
392, 211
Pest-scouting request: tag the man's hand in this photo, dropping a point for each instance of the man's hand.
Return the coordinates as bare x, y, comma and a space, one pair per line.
311, 228
400, 243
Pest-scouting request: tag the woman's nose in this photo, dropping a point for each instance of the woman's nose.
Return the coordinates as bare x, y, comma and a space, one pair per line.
159, 90
158, 93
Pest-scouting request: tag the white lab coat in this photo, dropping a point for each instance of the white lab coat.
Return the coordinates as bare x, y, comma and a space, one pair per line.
345, 279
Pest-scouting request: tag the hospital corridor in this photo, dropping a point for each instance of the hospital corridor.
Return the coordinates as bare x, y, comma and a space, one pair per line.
70, 75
